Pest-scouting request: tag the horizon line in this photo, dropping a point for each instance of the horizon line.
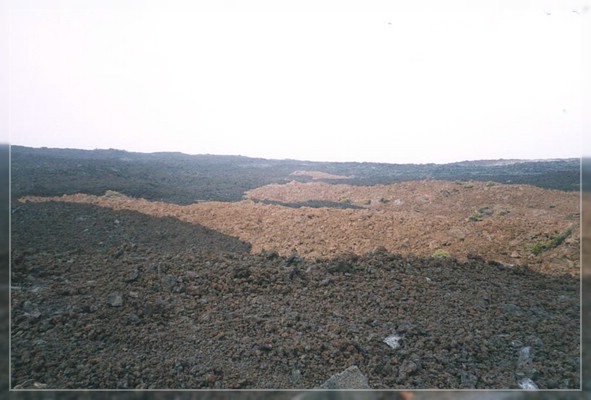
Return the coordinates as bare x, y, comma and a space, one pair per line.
580, 157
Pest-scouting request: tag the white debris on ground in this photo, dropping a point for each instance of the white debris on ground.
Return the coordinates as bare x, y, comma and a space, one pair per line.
527, 384
393, 341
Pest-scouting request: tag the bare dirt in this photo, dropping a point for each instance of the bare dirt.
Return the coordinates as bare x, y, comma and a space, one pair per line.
215, 276
118, 314
124, 293
498, 222
319, 175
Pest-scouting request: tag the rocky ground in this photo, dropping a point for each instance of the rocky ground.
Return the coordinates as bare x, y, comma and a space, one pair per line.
498, 222
128, 309
115, 292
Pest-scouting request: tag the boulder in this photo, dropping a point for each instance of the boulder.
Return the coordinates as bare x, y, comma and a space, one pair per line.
351, 378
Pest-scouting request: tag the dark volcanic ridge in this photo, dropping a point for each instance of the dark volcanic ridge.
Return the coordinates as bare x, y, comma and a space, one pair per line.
151, 309
185, 179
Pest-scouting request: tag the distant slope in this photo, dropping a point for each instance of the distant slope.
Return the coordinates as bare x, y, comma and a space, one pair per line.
184, 179
586, 174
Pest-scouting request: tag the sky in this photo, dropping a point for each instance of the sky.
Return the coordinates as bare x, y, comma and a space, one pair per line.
367, 80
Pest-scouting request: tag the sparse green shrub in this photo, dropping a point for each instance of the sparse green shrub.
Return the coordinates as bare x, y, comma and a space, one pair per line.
440, 253
483, 212
468, 185
475, 217
544, 245
552, 206
384, 200
504, 212
540, 247
345, 200
486, 211
113, 194
490, 183
459, 182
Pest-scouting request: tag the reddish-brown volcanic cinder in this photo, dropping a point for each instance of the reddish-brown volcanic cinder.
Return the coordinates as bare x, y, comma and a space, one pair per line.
495, 221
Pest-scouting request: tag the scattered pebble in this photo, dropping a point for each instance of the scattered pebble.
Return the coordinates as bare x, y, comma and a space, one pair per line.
115, 299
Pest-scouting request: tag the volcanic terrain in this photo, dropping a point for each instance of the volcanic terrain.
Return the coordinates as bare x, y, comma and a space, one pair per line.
478, 281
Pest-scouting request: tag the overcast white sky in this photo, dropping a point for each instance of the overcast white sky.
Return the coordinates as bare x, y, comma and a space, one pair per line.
387, 81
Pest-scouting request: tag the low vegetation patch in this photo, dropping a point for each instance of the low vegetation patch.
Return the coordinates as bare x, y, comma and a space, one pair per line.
440, 253
555, 241
113, 194
482, 212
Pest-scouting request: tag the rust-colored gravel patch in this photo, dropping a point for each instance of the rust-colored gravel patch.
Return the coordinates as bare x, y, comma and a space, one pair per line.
431, 197
318, 175
430, 216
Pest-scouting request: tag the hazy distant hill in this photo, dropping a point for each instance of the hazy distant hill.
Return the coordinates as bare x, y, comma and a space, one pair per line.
586, 173
184, 179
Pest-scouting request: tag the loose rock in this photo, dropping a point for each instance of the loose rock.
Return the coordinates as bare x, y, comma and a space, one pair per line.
351, 378
115, 299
